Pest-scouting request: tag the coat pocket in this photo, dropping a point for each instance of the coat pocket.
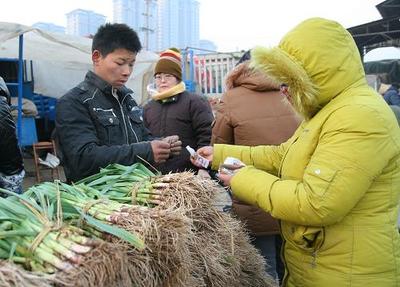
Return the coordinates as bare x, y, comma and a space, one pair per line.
319, 179
136, 117
107, 121
307, 238
109, 126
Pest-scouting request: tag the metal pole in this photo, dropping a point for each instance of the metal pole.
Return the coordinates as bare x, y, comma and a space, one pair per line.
191, 68
146, 25
146, 29
20, 86
183, 64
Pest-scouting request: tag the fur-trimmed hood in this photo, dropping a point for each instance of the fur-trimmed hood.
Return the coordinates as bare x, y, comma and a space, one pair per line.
318, 60
250, 78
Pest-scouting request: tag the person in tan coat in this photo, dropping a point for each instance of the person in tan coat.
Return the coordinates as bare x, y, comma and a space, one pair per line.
252, 112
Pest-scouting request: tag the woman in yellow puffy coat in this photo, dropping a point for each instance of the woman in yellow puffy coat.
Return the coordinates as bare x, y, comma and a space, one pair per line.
335, 184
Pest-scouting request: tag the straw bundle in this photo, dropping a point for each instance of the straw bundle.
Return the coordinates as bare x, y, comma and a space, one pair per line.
219, 246
165, 259
106, 265
12, 275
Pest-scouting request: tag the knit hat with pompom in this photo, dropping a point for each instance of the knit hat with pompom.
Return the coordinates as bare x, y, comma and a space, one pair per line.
169, 63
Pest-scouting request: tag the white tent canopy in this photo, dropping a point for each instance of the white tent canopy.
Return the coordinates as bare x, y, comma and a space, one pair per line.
383, 53
61, 61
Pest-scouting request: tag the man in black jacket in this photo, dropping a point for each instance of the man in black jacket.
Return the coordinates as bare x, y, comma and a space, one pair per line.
11, 163
98, 122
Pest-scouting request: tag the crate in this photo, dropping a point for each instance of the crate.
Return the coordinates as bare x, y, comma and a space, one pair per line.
46, 106
29, 134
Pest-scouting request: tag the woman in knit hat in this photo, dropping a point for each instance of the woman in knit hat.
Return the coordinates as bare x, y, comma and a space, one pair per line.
173, 110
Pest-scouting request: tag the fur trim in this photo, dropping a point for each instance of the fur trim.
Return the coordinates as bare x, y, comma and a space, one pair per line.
256, 80
283, 68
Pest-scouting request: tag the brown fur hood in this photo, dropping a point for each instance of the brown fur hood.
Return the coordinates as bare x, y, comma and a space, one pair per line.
244, 76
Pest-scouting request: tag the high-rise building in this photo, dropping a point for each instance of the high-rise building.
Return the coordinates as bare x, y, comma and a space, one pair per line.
140, 15
84, 22
206, 46
190, 24
178, 24
161, 23
49, 27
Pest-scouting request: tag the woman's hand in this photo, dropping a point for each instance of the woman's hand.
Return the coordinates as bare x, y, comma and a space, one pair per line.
225, 178
206, 152
225, 174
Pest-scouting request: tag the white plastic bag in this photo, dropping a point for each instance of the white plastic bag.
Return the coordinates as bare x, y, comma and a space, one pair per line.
51, 161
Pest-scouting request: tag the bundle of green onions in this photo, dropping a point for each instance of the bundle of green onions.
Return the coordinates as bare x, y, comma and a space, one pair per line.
134, 184
137, 185
36, 237
98, 214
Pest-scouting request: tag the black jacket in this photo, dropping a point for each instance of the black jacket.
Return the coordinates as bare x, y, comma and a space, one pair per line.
10, 154
95, 129
187, 115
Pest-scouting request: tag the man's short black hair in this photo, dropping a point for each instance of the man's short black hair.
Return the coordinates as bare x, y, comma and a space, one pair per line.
110, 37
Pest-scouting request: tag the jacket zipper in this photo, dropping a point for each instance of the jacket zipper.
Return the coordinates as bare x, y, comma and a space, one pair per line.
122, 114
286, 274
314, 259
130, 124
134, 133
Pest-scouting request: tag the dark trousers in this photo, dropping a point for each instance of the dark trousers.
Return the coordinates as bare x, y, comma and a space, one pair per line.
280, 267
270, 248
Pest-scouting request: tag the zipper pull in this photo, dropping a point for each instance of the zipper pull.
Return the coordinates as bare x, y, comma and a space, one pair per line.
314, 259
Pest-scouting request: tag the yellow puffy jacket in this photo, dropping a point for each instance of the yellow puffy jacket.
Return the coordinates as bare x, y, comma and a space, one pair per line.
335, 184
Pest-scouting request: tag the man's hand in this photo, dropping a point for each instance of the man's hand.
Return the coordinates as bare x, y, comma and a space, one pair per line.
161, 150
175, 144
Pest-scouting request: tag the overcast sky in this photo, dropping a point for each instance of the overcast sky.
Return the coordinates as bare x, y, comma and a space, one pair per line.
231, 25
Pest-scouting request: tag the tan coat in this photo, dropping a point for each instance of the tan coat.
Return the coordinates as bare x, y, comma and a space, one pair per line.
252, 112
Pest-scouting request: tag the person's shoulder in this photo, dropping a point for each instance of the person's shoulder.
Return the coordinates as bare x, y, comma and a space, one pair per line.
199, 102
365, 112
79, 92
391, 93
74, 95
190, 94
127, 91
149, 103
4, 108
195, 97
